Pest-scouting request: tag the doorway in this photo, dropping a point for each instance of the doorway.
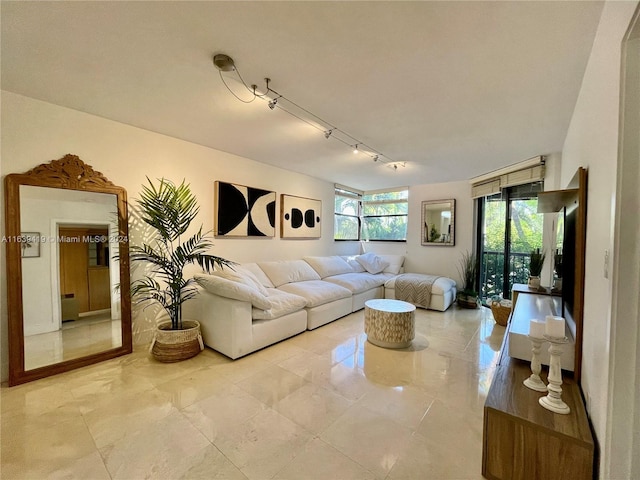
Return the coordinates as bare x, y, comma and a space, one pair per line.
509, 230
622, 442
85, 286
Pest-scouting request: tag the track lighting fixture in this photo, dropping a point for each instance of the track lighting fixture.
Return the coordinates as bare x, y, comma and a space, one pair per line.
225, 63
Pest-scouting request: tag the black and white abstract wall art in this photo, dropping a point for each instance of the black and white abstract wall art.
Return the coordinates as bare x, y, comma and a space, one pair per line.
300, 217
244, 211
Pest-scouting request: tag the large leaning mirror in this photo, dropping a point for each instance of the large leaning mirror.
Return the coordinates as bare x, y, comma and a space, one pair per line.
67, 269
438, 222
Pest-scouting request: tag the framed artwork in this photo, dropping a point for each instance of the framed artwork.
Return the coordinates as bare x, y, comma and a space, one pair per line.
30, 244
438, 222
300, 217
242, 211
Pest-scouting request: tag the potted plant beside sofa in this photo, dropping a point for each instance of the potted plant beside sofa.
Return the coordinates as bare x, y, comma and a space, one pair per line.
169, 210
468, 269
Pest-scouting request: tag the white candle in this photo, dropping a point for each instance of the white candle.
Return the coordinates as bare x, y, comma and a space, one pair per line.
554, 326
536, 328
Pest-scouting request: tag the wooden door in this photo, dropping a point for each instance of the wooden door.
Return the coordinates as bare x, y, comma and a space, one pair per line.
74, 264
99, 288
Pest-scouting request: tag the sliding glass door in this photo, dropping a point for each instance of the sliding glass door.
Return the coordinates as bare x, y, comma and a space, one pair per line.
509, 229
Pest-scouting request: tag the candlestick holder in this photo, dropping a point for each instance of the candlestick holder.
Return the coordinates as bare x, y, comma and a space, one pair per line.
553, 400
534, 382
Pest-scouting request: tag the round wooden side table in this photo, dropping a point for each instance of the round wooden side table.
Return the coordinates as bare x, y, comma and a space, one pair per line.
389, 323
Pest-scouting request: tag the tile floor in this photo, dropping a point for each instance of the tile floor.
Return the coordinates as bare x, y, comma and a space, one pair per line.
322, 405
74, 340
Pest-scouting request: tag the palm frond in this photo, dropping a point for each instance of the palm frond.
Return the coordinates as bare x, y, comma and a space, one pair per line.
170, 209
208, 262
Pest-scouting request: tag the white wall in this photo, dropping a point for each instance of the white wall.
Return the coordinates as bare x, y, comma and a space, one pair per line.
433, 259
592, 142
35, 132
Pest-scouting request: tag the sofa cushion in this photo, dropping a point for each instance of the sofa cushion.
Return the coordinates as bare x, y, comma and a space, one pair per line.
288, 271
316, 292
282, 303
358, 282
441, 285
235, 290
395, 263
241, 275
259, 274
328, 266
372, 262
351, 260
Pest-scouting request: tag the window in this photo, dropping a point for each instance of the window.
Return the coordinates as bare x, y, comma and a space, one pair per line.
384, 215
348, 208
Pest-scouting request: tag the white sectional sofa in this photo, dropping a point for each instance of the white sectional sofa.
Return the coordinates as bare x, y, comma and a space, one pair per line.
258, 304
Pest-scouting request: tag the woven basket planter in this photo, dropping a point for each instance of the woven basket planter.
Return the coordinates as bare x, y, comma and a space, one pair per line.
466, 301
176, 345
501, 313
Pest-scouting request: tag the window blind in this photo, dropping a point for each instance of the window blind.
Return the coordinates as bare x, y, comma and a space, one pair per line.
529, 171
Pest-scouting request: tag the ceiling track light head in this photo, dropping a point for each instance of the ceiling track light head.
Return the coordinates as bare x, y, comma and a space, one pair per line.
355, 149
272, 103
223, 62
375, 159
328, 133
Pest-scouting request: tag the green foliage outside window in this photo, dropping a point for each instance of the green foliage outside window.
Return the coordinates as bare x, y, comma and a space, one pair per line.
525, 236
526, 226
385, 215
346, 220
378, 216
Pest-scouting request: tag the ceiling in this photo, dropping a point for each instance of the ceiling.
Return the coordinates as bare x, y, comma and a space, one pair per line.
454, 89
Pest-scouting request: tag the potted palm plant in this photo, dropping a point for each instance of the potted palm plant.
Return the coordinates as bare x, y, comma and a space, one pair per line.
468, 269
536, 261
169, 210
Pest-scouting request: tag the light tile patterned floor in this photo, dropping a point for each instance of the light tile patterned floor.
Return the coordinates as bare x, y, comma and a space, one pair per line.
325, 404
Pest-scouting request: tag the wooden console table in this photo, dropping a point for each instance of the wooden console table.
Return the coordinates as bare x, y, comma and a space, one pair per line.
524, 441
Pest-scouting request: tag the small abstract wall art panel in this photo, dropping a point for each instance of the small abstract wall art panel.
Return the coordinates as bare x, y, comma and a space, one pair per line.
244, 211
300, 217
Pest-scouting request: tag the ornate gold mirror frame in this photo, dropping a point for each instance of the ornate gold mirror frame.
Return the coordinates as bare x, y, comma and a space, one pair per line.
71, 174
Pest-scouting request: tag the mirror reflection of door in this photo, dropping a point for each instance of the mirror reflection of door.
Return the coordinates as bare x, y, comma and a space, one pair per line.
84, 273
71, 307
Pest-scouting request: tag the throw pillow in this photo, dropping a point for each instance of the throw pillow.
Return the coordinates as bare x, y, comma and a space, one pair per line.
372, 263
351, 260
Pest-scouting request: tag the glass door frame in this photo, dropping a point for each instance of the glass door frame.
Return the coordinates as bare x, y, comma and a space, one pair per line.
508, 195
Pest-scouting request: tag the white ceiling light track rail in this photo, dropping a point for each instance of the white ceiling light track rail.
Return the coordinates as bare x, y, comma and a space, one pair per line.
274, 99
